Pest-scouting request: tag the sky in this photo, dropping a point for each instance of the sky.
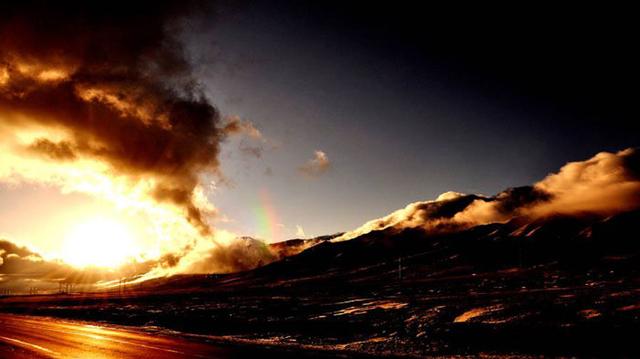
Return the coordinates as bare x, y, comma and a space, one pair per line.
347, 113
408, 103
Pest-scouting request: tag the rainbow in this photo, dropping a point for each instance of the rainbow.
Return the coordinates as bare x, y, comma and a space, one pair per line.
267, 223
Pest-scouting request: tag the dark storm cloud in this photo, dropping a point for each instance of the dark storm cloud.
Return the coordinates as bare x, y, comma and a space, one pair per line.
59, 151
114, 79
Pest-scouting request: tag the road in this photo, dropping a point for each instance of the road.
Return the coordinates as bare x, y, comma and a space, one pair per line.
38, 337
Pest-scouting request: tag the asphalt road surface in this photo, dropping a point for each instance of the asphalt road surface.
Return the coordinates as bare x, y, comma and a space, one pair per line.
38, 337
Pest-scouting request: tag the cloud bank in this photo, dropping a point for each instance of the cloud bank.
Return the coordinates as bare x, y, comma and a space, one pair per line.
23, 270
606, 184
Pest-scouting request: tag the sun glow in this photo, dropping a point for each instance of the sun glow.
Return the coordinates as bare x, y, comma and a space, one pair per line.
100, 242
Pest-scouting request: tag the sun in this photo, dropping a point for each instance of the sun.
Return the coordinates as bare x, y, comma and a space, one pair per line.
99, 241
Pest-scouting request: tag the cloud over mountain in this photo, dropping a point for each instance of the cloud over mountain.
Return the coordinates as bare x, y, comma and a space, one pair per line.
606, 184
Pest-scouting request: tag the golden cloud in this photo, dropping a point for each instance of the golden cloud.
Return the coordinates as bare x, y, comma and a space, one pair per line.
606, 184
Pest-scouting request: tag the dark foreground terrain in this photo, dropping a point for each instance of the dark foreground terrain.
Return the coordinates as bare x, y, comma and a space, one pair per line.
562, 286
